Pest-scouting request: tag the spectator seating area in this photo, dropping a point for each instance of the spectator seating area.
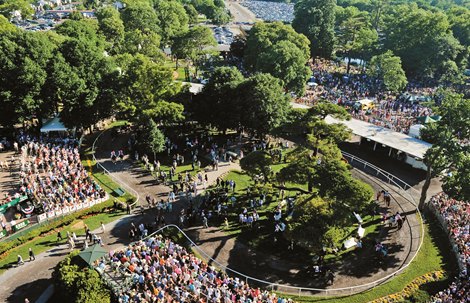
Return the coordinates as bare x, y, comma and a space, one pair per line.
52, 175
162, 270
454, 215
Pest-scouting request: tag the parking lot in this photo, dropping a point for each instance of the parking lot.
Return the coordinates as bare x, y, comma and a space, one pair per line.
223, 35
271, 11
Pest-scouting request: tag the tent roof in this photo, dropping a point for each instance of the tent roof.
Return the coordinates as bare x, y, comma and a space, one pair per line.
92, 253
412, 146
53, 125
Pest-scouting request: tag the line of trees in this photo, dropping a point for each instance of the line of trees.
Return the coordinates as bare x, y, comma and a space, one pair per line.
88, 69
430, 42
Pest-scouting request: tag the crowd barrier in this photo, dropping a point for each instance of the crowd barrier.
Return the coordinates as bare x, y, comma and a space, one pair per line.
67, 210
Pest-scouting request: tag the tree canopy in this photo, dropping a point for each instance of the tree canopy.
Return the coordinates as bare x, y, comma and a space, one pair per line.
277, 49
387, 68
450, 151
316, 20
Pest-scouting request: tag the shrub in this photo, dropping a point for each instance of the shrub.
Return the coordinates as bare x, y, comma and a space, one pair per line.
76, 283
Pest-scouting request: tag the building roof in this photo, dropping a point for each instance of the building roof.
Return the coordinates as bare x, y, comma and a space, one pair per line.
412, 146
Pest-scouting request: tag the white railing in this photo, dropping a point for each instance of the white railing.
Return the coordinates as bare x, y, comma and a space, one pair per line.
120, 182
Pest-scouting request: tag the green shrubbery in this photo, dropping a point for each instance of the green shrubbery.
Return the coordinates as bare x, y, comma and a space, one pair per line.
78, 284
47, 227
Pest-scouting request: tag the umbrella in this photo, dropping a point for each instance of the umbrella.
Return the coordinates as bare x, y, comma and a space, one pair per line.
92, 253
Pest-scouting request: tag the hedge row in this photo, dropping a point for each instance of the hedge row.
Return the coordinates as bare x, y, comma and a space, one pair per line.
52, 225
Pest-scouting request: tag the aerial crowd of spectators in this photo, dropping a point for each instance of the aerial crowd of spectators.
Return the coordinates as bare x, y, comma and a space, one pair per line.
162, 270
51, 173
330, 82
456, 218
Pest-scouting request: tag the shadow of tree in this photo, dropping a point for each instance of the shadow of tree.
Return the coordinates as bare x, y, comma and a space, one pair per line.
31, 290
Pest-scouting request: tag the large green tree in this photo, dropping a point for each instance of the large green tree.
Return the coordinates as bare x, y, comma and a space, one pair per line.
316, 20
277, 49
450, 151
193, 45
140, 16
217, 105
24, 58
356, 38
145, 88
172, 19
75, 283
111, 25
387, 68
264, 102
421, 38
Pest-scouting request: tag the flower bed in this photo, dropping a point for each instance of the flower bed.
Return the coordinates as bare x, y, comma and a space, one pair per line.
412, 287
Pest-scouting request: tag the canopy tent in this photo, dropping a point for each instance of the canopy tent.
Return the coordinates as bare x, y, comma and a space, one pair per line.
53, 125
92, 253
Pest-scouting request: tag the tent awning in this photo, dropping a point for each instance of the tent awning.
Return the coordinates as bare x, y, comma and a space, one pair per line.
92, 253
53, 125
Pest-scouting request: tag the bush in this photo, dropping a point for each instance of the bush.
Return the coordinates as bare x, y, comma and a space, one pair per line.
47, 227
77, 283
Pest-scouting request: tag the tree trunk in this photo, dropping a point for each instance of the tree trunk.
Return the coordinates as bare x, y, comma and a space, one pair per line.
349, 65
424, 189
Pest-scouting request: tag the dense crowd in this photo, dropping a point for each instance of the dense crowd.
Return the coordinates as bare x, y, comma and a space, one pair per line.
456, 217
52, 174
165, 271
329, 82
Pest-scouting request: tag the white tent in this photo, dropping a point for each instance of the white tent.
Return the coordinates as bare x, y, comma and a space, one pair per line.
53, 125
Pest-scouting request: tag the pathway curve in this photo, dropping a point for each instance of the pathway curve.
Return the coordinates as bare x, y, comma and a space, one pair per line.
227, 251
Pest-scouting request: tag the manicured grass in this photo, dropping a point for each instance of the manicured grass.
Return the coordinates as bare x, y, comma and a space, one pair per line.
434, 255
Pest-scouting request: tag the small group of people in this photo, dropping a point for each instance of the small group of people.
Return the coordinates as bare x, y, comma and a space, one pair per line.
31, 254
114, 157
